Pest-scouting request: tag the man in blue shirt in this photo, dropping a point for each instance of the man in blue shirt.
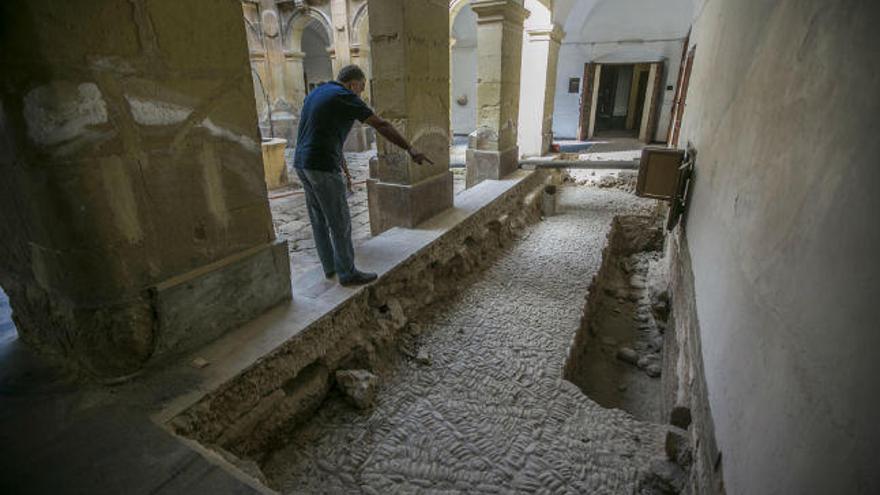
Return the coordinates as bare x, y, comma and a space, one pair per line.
328, 113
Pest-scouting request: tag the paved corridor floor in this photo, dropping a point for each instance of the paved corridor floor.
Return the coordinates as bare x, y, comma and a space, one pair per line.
491, 412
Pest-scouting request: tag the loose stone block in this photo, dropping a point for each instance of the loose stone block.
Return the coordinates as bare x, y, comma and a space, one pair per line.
359, 387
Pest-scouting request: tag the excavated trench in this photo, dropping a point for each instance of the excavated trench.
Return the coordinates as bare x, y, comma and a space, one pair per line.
616, 357
468, 392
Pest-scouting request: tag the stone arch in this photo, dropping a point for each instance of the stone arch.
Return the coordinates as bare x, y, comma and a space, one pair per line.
296, 24
359, 22
455, 7
360, 45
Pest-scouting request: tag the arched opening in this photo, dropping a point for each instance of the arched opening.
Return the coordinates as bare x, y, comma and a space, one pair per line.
463, 78
317, 66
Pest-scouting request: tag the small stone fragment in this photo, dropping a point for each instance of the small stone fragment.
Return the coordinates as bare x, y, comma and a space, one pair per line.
653, 370
663, 477
423, 358
628, 355
200, 362
359, 387
678, 446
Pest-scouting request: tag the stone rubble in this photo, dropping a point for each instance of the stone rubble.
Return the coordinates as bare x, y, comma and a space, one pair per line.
359, 387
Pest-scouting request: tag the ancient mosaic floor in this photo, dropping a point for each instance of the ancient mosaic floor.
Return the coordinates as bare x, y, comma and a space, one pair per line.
490, 413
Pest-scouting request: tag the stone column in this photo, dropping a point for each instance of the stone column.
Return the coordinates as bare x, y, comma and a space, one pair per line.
410, 68
540, 55
492, 151
135, 217
341, 41
270, 22
358, 139
334, 61
294, 83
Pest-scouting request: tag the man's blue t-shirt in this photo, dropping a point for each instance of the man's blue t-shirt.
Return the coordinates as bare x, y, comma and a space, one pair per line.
326, 119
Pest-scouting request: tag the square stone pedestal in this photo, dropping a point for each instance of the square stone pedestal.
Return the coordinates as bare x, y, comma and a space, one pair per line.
483, 164
405, 205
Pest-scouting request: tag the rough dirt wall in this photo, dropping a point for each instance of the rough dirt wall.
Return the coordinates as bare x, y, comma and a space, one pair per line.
615, 355
250, 415
130, 155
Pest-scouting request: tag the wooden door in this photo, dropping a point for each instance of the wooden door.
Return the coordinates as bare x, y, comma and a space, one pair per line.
682, 98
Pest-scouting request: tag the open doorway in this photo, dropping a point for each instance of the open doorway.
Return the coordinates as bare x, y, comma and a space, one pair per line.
620, 100
613, 104
317, 66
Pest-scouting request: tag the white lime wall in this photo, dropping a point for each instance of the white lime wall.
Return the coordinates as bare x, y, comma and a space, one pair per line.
784, 237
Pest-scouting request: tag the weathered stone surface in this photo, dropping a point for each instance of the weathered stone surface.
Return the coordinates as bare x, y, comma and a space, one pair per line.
130, 155
359, 387
663, 478
628, 355
410, 88
197, 307
678, 447
274, 165
492, 150
482, 165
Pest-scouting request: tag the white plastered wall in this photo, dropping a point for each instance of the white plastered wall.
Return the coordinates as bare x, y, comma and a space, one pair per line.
784, 236
463, 58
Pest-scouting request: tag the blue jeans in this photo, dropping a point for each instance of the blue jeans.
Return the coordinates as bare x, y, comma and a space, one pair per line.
331, 220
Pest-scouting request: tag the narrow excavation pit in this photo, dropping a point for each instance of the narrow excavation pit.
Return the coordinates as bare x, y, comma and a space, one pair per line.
616, 357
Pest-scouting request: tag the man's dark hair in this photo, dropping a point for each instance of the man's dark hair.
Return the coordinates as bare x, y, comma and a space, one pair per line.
351, 73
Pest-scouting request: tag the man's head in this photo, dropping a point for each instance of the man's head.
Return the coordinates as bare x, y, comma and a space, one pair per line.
353, 78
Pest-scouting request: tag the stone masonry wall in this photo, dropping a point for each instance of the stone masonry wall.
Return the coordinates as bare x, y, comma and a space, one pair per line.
130, 156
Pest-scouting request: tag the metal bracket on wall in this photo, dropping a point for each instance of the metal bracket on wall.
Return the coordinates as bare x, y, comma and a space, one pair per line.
679, 202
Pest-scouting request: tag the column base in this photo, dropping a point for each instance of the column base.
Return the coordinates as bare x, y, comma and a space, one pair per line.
358, 139
114, 339
494, 165
197, 307
403, 205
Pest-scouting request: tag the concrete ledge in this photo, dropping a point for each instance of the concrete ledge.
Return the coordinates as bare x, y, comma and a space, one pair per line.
255, 400
197, 307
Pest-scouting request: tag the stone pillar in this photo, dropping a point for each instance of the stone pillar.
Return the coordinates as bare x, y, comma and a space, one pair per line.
341, 41
271, 25
360, 56
334, 61
359, 137
294, 84
410, 89
540, 55
135, 216
492, 150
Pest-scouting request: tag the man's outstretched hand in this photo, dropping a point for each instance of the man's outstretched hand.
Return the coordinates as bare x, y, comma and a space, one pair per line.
419, 157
